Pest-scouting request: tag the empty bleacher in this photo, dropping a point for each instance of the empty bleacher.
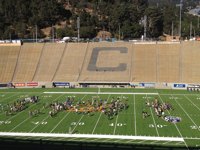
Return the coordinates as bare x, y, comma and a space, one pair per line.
27, 62
49, 61
144, 63
107, 62
8, 60
71, 62
190, 62
168, 62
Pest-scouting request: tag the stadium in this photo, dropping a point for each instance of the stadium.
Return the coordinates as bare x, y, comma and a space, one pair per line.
100, 95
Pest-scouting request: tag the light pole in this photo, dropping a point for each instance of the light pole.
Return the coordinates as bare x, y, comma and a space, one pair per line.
78, 27
180, 5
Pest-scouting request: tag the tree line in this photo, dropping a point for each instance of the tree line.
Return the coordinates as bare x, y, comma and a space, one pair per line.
20, 18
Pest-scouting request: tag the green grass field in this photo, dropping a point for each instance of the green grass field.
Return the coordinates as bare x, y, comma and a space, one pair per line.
127, 127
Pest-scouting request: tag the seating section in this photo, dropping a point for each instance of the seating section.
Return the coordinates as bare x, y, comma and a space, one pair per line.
8, 60
107, 62
71, 63
27, 62
101, 62
168, 62
190, 62
49, 61
144, 63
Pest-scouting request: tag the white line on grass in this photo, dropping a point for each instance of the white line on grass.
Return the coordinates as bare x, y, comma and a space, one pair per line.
99, 118
98, 136
45, 117
153, 119
115, 125
175, 124
77, 124
116, 120
104, 93
135, 116
59, 122
188, 115
63, 118
19, 124
192, 103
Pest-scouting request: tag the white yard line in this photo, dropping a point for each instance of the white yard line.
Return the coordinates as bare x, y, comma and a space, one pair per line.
192, 102
45, 117
135, 117
104, 93
116, 119
64, 118
187, 115
96, 136
60, 122
19, 124
99, 118
153, 118
115, 125
175, 124
166, 142
77, 124
96, 123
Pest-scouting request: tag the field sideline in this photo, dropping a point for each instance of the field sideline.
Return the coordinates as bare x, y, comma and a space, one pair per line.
128, 126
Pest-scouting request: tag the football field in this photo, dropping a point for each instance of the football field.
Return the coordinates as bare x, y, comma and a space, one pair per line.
178, 125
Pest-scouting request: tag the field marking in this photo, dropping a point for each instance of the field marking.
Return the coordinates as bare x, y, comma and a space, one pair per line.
59, 122
102, 93
77, 124
135, 115
96, 136
192, 102
187, 115
64, 117
99, 117
153, 118
115, 124
175, 124
19, 124
117, 119
45, 117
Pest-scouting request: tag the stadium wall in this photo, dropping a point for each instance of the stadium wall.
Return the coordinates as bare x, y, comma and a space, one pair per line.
103, 62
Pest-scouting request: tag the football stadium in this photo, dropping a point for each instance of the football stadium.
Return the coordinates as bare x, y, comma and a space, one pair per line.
100, 95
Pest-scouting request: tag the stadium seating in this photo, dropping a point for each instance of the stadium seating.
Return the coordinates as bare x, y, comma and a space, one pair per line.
144, 63
168, 62
8, 61
104, 65
71, 63
49, 61
101, 62
27, 62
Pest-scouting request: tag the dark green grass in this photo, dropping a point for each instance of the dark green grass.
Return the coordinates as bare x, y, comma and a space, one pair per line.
127, 122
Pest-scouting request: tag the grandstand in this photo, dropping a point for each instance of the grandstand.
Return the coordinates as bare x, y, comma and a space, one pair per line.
121, 62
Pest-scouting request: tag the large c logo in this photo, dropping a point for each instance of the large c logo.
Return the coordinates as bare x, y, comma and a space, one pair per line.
95, 53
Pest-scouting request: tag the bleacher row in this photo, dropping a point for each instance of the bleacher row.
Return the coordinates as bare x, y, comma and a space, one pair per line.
68, 62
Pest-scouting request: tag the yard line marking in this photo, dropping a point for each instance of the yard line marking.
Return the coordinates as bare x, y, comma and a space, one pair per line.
60, 122
129, 141
187, 115
116, 119
115, 125
153, 118
192, 103
135, 116
179, 143
104, 93
77, 124
44, 118
63, 118
20, 112
99, 117
19, 124
175, 124
98, 136
96, 123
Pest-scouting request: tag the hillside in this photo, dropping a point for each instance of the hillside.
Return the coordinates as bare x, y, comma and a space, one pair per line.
20, 18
